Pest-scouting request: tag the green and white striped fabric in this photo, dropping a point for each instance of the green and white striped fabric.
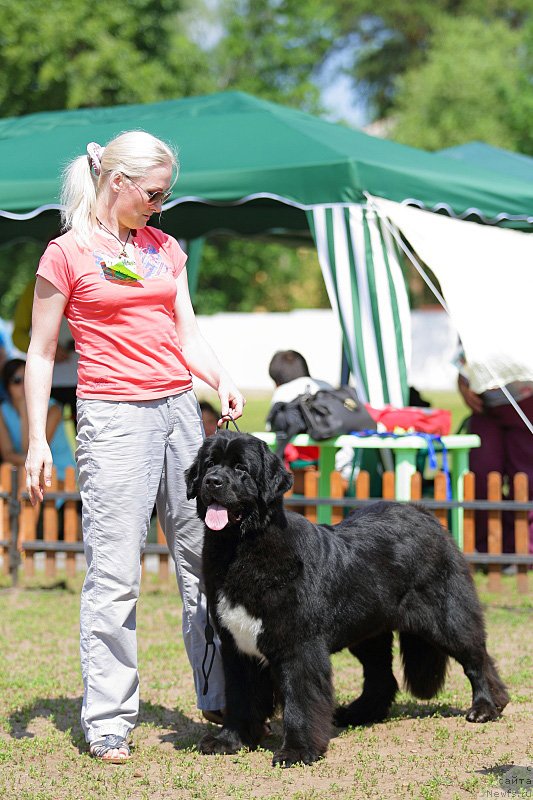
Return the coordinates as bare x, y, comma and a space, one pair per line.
361, 268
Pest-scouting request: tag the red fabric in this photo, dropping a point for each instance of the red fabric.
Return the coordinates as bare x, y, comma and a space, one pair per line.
413, 418
307, 453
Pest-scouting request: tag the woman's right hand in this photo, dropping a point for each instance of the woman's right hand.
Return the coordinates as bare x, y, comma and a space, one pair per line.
38, 470
231, 401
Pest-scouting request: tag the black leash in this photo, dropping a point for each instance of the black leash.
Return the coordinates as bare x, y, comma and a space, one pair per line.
230, 419
209, 633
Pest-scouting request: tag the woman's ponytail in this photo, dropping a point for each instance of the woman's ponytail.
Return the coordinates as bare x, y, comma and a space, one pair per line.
78, 199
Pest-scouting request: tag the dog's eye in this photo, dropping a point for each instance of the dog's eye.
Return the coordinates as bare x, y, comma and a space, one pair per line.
209, 463
240, 468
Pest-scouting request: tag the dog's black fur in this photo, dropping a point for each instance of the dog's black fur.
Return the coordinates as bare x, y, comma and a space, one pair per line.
315, 589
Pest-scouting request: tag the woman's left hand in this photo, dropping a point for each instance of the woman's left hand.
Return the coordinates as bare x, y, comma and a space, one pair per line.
38, 470
231, 402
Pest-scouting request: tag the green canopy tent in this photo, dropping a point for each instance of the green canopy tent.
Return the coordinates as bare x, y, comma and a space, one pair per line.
249, 166
497, 159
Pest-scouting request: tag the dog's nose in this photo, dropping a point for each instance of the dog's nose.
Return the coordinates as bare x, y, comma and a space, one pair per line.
213, 481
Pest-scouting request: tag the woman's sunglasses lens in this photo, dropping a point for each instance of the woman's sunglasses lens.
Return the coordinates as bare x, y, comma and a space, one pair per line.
159, 197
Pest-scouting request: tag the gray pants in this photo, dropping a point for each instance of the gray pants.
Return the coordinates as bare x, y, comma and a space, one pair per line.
129, 456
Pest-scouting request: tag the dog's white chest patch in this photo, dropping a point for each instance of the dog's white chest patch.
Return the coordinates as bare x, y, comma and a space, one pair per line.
244, 628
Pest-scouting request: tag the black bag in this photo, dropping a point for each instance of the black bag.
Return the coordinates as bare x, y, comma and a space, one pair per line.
324, 415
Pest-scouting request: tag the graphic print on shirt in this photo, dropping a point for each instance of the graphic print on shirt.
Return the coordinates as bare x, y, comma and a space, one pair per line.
116, 269
124, 270
153, 265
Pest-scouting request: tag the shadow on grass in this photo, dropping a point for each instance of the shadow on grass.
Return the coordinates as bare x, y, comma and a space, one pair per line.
415, 709
498, 770
174, 727
181, 731
411, 709
64, 713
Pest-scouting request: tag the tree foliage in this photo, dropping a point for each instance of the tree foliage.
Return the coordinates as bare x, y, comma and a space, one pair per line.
389, 38
250, 275
73, 54
273, 48
280, 49
475, 83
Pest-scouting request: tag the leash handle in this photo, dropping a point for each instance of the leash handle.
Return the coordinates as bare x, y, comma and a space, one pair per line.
234, 423
228, 420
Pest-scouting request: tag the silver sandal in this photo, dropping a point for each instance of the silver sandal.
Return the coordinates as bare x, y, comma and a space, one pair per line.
99, 747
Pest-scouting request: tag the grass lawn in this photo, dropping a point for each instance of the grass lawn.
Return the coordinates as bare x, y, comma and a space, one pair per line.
425, 750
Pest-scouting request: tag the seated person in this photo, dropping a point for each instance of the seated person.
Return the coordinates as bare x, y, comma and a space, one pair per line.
290, 373
14, 423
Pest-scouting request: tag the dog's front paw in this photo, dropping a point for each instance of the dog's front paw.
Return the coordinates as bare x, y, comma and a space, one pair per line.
224, 743
288, 758
482, 711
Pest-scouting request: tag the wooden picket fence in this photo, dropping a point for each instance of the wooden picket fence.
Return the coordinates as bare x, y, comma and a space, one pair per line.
26, 531
50, 530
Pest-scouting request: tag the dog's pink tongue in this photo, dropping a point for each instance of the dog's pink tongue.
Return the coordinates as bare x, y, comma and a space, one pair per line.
216, 517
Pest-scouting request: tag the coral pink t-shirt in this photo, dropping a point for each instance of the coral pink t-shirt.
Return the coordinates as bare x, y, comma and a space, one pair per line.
123, 328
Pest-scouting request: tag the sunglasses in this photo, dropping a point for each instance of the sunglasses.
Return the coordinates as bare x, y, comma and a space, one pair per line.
153, 197
17, 380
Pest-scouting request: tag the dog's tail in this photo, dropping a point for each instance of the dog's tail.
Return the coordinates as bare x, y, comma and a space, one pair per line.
424, 666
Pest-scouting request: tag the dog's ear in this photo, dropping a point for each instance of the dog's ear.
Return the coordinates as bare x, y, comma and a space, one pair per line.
193, 478
277, 480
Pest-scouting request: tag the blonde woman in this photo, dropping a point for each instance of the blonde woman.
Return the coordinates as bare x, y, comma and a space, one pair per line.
122, 286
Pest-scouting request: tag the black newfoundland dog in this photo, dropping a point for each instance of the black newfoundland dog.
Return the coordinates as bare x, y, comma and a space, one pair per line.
285, 593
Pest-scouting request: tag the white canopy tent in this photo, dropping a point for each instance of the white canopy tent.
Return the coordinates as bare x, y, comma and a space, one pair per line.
486, 276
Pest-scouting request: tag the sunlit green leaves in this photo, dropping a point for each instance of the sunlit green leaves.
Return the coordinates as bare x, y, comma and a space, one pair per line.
77, 54
474, 85
241, 275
